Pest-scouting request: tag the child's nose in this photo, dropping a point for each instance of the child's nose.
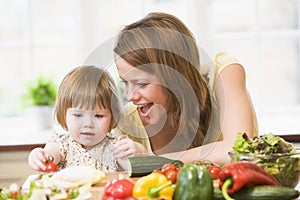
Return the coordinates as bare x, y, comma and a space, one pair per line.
88, 121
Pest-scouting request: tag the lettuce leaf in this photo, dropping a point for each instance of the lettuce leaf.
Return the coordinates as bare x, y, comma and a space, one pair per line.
242, 144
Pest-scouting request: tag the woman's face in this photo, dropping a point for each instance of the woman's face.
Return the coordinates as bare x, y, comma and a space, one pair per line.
144, 91
88, 127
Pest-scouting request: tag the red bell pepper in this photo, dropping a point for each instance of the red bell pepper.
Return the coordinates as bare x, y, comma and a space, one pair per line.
235, 176
118, 189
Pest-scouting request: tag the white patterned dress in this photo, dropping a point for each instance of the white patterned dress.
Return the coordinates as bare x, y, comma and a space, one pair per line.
74, 154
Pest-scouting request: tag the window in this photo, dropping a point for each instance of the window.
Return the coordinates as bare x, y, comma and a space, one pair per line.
264, 35
51, 37
35, 40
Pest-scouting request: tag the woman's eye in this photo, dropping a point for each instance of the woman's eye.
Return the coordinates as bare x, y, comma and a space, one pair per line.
142, 84
124, 82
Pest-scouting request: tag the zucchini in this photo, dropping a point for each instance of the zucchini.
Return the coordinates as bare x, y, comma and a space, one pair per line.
144, 165
262, 192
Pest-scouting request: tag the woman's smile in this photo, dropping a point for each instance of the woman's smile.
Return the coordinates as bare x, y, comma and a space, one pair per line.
144, 110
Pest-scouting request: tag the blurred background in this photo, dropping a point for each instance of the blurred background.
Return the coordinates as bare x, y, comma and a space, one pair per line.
50, 37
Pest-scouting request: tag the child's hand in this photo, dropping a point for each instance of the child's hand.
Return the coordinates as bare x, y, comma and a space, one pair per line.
126, 147
37, 159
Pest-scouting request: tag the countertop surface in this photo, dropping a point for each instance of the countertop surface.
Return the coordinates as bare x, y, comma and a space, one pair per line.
98, 189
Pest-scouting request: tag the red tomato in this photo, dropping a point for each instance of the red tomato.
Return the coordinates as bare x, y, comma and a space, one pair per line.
167, 167
171, 175
158, 171
214, 171
50, 165
178, 169
14, 194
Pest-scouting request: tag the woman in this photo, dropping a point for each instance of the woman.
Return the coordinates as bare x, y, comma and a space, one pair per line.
175, 110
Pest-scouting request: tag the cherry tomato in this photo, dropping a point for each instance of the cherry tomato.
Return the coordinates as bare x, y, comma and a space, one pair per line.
171, 175
50, 165
178, 169
14, 194
158, 171
167, 167
214, 171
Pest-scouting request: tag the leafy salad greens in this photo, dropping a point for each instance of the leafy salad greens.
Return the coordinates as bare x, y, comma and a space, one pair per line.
271, 152
265, 144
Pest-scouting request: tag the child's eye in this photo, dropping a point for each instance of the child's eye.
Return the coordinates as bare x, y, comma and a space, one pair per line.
77, 115
98, 116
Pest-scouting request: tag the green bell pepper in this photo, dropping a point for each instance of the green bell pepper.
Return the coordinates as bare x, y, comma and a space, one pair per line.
194, 182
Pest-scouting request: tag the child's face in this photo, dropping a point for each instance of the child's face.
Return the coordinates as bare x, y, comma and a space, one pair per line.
88, 127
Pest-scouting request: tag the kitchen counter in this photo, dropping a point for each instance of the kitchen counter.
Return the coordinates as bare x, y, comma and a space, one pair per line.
98, 189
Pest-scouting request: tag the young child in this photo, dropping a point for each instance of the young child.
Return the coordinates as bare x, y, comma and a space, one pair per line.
87, 107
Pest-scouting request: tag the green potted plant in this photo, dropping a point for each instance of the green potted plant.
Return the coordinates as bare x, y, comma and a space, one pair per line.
41, 95
42, 92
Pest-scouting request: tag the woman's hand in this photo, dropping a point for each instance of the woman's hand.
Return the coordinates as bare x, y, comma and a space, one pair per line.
126, 147
37, 159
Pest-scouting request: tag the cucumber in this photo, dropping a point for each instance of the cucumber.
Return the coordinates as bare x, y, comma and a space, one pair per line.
262, 192
144, 165
266, 192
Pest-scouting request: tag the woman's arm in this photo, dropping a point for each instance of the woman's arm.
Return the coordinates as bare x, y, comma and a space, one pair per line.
235, 116
234, 102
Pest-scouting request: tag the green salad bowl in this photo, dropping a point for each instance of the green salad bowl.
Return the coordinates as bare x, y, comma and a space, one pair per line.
285, 167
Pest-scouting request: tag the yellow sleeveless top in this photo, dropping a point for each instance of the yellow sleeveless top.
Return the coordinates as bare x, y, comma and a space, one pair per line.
132, 125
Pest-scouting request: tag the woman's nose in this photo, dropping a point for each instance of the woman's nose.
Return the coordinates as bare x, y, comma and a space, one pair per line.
132, 95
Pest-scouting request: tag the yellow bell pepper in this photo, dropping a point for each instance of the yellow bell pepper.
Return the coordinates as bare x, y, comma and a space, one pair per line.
153, 186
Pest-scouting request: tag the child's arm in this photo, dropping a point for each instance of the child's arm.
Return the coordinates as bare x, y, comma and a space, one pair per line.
38, 156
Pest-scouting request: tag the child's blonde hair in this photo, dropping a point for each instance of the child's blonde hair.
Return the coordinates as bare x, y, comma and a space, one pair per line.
85, 87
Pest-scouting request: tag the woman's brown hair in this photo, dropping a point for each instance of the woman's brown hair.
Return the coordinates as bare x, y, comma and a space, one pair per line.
162, 45
85, 87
